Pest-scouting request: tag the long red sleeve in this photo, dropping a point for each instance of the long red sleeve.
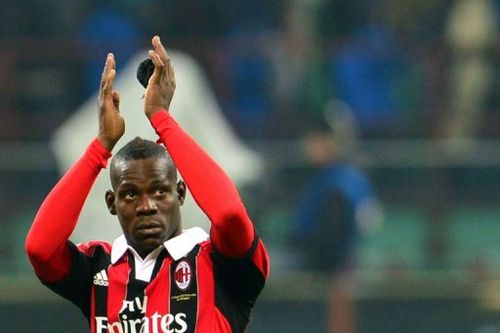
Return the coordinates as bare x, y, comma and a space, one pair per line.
46, 243
232, 232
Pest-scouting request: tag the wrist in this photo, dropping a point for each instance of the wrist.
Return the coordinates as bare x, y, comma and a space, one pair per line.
152, 111
107, 143
98, 154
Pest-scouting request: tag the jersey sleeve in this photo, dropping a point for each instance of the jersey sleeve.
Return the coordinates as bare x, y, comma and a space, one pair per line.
86, 260
238, 282
47, 243
76, 285
232, 231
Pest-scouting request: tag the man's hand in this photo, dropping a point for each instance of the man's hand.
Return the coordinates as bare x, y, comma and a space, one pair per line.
161, 85
111, 123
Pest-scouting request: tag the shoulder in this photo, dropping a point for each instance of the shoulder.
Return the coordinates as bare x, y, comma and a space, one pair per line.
91, 247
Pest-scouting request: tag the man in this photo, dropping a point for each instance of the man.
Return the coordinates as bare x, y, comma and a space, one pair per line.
338, 205
155, 277
339, 202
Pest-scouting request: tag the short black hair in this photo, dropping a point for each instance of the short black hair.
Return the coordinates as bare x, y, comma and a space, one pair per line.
139, 149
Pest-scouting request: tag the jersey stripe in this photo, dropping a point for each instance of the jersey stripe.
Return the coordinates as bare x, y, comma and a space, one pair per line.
158, 292
260, 259
134, 305
92, 310
118, 279
206, 294
184, 290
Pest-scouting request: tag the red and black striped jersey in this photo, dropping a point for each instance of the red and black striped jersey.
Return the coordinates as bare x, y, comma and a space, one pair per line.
197, 291
193, 283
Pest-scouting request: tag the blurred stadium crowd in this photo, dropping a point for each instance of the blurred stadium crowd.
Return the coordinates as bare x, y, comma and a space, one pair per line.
420, 77
399, 65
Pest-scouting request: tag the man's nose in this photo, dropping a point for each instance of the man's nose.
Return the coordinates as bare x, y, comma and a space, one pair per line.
146, 206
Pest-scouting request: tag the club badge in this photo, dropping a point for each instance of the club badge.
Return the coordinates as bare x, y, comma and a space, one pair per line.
182, 275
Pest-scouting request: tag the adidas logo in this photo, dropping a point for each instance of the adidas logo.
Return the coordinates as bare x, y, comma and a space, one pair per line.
101, 278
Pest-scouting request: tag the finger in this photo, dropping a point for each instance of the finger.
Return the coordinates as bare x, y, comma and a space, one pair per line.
155, 57
159, 67
160, 49
170, 71
108, 82
112, 61
165, 67
165, 57
103, 76
104, 71
108, 65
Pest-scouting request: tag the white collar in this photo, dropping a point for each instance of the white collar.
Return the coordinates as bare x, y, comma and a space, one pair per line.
177, 246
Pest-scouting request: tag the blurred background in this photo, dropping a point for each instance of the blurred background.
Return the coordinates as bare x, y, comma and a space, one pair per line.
408, 92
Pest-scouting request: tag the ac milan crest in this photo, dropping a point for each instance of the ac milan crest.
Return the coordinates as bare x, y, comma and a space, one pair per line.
183, 275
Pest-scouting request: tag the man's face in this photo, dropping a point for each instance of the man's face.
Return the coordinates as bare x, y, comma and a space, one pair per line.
147, 201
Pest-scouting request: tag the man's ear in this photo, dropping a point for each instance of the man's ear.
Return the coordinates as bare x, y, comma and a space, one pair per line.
110, 201
181, 191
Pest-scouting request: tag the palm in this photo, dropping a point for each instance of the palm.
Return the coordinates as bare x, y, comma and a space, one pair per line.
111, 123
161, 85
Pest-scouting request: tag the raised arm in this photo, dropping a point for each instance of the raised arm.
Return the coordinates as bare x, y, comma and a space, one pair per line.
232, 232
46, 243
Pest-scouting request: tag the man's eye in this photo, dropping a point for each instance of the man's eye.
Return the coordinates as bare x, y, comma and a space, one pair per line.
160, 191
129, 195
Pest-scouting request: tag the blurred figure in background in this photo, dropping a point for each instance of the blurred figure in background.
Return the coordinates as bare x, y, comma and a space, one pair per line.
247, 69
107, 27
338, 204
472, 33
364, 73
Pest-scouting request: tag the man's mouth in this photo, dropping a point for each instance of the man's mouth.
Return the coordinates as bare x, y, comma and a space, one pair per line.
149, 228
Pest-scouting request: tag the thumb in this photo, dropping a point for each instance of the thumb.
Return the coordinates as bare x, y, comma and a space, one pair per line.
116, 98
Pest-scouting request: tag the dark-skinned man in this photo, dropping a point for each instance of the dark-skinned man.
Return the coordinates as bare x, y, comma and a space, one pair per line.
155, 277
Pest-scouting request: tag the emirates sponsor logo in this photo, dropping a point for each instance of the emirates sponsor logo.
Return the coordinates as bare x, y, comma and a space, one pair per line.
135, 305
101, 278
183, 275
156, 323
